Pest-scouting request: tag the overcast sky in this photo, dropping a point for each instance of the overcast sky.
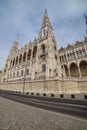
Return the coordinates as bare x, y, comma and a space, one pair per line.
24, 17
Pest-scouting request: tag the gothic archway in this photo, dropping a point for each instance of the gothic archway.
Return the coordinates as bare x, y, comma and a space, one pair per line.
83, 68
74, 70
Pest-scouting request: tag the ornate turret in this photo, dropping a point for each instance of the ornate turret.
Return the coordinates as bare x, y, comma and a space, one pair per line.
46, 28
14, 48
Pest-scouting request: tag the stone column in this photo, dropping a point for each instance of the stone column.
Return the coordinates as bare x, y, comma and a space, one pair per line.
69, 72
79, 72
66, 55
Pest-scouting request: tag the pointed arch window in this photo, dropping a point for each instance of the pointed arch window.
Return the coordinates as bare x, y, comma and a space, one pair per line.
14, 75
20, 59
27, 71
29, 55
17, 60
44, 68
43, 48
22, 72
34, 52
17, 73
24, 57
13, 62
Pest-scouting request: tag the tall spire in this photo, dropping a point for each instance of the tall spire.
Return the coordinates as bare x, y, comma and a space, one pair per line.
46, 28
46, 20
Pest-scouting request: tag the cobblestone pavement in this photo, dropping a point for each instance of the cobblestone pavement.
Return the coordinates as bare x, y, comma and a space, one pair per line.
16, 116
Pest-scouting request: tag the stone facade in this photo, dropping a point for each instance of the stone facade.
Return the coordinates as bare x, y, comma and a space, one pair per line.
40, 67
74, 59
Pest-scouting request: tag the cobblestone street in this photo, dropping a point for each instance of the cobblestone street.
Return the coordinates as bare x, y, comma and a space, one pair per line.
16, 116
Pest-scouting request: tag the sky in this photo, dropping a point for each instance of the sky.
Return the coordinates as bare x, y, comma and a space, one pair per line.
24, 17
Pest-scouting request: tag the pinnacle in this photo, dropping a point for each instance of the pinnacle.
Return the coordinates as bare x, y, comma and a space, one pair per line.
17, 38
46, 28
45, 14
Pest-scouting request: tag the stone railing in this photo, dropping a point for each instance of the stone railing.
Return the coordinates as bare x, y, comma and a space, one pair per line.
70, 78
75, 78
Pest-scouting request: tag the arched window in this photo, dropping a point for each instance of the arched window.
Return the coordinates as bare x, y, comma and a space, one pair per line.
34, 51
14, 75
17, 73
27, 71
11, 75
29, 55
8, 76
73, 54
43, 48
55, 72
16, 60
43, 68
83, 52
22, 72
20, 58
35, 75
64, 57
60, 59
49, 72
80, 53
13, 62
24, 57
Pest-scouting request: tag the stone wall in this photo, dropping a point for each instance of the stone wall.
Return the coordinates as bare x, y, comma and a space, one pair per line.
66, 86
83, 86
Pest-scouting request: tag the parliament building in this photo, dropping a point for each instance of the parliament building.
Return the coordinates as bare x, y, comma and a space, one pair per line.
40, 68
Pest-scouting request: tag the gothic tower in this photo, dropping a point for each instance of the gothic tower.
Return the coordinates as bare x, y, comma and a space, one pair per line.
8, 63
50, 53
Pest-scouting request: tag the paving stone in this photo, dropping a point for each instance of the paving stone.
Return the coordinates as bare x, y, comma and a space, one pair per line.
17, 116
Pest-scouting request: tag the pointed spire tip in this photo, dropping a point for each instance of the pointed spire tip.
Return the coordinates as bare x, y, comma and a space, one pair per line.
46, 14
